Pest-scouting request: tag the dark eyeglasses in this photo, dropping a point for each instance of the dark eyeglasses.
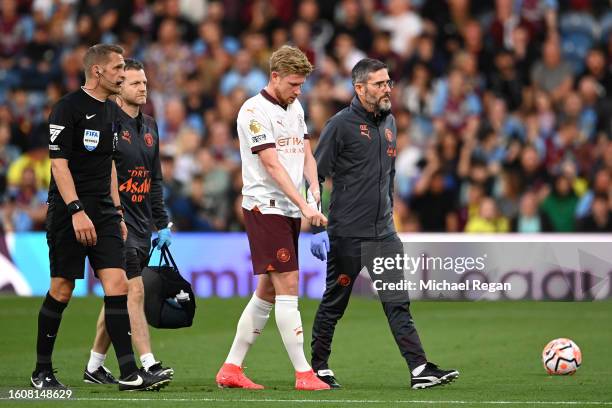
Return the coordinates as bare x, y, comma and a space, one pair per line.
381, 84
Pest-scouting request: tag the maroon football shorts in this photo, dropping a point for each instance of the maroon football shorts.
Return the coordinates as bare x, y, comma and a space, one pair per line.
273, 240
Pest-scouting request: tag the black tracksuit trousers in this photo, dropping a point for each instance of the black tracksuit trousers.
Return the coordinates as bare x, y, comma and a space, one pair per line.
343, 266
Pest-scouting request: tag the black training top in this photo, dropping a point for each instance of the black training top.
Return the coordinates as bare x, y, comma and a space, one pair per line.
140, 177
83, 130
357, 150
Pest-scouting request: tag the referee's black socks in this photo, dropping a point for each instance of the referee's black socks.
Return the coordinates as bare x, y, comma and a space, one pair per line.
49, 319
118, 328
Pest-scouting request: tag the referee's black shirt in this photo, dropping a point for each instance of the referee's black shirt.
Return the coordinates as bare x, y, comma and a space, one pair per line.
140, 178
82, 130
357, 150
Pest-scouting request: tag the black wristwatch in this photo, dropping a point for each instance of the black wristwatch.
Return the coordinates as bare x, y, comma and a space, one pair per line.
75, 206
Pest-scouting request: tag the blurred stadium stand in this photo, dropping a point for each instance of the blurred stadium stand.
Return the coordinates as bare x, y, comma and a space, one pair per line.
504, 108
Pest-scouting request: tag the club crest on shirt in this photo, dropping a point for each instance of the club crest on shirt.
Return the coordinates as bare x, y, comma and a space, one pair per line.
389, 135
365, 131
148, 138
125, 135
91, 138
254, 127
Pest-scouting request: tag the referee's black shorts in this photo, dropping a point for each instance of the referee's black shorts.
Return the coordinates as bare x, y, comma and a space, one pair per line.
67, 255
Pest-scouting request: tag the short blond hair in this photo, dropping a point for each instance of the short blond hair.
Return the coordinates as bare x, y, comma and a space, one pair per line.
288, 60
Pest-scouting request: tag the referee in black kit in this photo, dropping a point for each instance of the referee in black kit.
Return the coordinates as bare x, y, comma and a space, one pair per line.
357, 150
82, 220
140, 188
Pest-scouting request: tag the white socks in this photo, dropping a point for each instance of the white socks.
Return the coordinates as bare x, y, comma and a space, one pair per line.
289, 324
147, 360
96, 360
253, 320
250, 326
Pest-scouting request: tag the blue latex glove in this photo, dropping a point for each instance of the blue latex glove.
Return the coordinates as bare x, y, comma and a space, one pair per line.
319, 245
164, 237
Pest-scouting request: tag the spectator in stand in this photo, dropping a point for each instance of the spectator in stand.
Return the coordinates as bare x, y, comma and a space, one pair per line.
210, 36
456, 108
560, 206
600, 218
172, 122
506, 82
595, 106
168, 63
382, 51
488, 219
171, 10
426, 53
474, 196
474, 78
573, 110
551, 74
474, 45
600, 185
172, 188
598, 68
8, 154
434, 205
532, 172
26, 206
505, 125
417, 98
539, 16
346, 52
321, 30
37, 158
13, 29
352, 21
525, 52
244, 75
547, 117
503, 24
186, 163
530, 219
566, 146
404, 25
301, 38
39, 61
189, 212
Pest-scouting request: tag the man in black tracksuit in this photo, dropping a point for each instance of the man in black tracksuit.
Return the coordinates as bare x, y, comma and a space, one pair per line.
357, 150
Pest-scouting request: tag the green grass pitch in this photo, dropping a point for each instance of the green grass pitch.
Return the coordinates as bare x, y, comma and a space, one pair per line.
495, 345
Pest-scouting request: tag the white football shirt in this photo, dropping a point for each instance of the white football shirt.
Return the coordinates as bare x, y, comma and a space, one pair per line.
263, 123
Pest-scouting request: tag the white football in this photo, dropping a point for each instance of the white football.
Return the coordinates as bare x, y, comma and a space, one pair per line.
561, 357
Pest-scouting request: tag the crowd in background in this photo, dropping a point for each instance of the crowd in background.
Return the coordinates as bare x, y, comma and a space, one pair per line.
503, 108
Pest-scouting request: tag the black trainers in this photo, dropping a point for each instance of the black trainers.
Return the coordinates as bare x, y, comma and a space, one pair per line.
432, 376
45, 379
101, 376
141, 380
158, 369
327, 376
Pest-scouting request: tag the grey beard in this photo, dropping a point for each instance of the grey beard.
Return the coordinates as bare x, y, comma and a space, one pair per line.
383, 106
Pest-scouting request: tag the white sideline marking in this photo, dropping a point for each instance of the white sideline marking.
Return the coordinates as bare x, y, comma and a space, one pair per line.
337, 401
